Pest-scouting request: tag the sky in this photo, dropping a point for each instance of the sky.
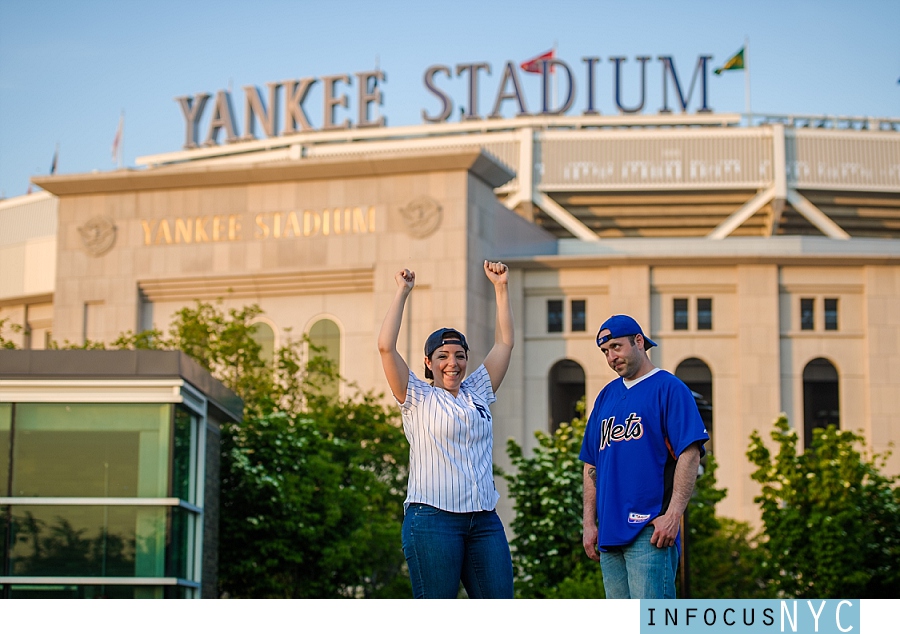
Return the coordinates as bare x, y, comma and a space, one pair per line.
70, 69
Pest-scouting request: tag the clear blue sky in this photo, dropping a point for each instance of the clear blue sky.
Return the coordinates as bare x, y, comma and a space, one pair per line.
69, 68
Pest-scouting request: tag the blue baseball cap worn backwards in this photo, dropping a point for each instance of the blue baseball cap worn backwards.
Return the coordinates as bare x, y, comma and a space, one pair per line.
622, 326
445, 335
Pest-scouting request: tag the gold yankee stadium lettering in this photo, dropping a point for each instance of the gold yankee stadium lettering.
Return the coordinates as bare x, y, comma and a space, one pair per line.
272, 225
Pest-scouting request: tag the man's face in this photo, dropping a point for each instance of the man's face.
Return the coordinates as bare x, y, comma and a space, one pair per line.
624, 357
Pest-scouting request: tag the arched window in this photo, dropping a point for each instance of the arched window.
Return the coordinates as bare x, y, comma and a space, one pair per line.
566, 389
821, 406
698, 377
326, 336
263, 334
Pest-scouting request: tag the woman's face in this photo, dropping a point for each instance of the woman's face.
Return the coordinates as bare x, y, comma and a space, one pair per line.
448, 365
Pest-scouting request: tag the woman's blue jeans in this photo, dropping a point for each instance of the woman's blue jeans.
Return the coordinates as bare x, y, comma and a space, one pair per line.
444, 548
640, 570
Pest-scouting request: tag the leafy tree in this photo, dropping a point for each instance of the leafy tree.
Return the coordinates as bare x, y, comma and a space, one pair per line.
721, 559
5, 343
548, 557
312, 484
547, 550
831, 519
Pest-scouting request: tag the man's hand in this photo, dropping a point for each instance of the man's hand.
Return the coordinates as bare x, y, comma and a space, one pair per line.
590, 535
665, 529
589, 539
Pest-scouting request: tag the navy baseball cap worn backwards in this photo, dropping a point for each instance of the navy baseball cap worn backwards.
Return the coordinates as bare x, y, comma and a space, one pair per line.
445, 335
622, 326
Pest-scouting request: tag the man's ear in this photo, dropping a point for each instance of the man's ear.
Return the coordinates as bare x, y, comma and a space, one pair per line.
640, 338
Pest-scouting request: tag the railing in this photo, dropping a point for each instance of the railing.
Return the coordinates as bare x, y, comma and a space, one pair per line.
829, 122
654, 152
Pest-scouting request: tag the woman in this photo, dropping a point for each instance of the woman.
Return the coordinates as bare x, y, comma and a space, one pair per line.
451, 532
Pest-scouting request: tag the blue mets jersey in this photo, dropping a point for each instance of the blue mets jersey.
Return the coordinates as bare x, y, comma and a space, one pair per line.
633, 437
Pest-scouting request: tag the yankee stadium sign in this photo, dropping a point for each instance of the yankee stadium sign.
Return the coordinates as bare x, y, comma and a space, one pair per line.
283, 110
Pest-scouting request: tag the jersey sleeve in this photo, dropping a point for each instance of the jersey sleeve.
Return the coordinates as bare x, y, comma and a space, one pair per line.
684, 426
479, 383
416, 390
590, 444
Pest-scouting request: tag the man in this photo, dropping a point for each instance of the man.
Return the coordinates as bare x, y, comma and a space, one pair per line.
641, 450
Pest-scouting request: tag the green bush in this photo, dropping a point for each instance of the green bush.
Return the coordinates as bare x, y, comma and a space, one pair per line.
721, 560
548, 557
312, 485
831, 520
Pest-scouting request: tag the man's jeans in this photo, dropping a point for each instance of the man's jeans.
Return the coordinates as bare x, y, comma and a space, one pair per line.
640, 570
443, 548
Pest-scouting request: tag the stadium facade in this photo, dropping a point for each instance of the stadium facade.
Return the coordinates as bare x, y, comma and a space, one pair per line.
762, 254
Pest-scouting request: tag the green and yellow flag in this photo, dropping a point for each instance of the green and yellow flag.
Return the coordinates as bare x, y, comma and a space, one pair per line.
735, 63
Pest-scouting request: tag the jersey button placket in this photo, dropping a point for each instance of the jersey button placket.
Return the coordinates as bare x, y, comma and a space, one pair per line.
470, 425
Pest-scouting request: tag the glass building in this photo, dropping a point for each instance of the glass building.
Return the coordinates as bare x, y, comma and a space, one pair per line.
109, 474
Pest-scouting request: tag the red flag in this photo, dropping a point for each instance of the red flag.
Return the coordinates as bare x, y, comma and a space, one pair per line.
534, 65
117, 141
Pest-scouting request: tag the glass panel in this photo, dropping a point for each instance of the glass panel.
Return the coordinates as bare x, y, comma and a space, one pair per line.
5, 423
554, 315
91, 450
698, 377
831, 314
326, 336
579, 315
184, 463
807, 317
821, 398
88, 541
180, 556
680, 307
94, 592
704, 313
4, 519
566, 389
263, 334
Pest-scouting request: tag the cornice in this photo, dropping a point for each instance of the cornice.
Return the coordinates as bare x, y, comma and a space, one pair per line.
475, 161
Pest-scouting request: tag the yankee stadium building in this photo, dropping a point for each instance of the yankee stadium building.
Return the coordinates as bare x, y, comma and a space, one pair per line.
761, 253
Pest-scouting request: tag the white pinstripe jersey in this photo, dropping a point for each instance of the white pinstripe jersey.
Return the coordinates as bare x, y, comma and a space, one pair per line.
450, 444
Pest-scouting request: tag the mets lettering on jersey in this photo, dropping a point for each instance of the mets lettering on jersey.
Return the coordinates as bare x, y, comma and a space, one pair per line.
610, 432
627, 439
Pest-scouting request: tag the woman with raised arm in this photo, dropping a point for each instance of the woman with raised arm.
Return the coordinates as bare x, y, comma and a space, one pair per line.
451, 531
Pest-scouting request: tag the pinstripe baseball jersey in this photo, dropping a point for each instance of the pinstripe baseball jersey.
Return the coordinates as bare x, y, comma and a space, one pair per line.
450, 444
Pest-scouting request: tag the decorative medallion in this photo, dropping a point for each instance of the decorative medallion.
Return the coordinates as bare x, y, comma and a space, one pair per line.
422, 217
98, 235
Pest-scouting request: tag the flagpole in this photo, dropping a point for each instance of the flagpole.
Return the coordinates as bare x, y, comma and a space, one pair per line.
377, 70
555, 82
747, 79
121, 137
